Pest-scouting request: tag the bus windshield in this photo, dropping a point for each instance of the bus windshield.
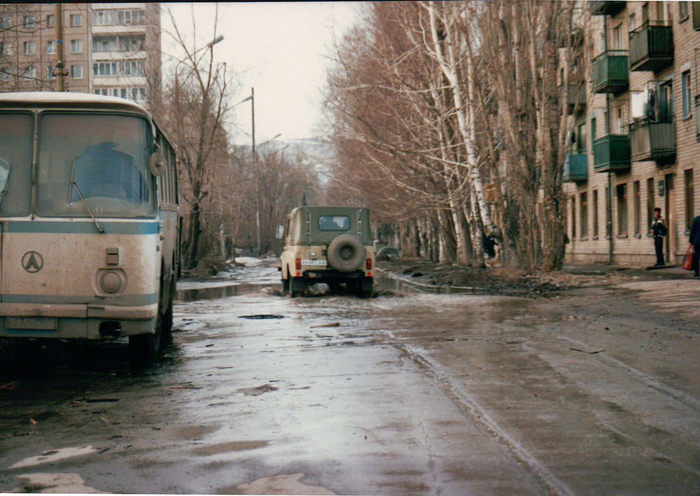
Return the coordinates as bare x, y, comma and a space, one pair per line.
16, 163
98, 159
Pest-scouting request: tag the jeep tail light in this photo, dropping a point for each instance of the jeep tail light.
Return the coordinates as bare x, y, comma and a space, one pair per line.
298, 263
369, 264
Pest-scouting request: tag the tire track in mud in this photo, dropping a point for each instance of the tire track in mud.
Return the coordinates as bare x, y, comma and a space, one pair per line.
466, 403
642, 377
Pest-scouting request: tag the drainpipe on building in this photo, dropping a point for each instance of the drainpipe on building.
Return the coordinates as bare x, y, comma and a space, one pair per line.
611, 242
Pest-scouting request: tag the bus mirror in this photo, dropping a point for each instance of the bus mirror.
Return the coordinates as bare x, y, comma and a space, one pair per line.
4, 174
156, 164
280, 231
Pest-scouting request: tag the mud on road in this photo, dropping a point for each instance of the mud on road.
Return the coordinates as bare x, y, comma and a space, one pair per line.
593, 390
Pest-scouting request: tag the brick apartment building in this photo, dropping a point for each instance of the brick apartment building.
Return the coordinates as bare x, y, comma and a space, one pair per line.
109, 48
636, 132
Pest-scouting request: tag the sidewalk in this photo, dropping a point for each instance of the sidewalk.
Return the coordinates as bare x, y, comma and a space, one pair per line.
665, 272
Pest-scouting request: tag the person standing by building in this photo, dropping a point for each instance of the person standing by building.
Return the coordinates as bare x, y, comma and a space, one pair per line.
658, 230
695, 242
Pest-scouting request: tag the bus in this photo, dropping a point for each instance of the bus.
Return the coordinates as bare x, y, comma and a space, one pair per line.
89, 222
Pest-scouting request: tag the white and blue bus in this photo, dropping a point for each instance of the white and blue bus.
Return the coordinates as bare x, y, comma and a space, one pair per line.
89, 224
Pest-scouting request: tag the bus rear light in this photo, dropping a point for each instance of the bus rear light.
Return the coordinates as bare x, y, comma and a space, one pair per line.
369, 264
297, 263
369, 274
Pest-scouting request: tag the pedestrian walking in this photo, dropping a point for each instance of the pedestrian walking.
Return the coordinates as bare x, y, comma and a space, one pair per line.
695, 242
658, 230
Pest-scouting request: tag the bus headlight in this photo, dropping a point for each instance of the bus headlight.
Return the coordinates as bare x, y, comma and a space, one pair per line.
111, 281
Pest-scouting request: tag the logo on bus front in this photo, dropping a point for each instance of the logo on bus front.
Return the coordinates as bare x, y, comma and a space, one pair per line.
32, 262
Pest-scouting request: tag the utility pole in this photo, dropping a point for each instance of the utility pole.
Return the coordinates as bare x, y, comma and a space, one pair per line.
60, 86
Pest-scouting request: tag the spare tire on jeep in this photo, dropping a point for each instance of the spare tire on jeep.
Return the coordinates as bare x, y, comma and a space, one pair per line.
346, 253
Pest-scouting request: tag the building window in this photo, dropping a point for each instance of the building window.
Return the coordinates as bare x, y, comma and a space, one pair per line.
683, 10
28, 22
76, 20
686, 96
689, 197
29, 48
50, 21
5, 74
581, 141
645, 13
76, 46
5, 22
130, 43
133, 68
76, 71
608, 229
5, 48
29, 73
51, 72
617, 37
51, 47
104, 44
573, 217
594, 125
117, 18
122, 92
595, 213
621, 193
637, 208
650, 202
584, 215
620, 122
105, 69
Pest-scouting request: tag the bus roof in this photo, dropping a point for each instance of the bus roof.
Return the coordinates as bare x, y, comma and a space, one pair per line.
59, 99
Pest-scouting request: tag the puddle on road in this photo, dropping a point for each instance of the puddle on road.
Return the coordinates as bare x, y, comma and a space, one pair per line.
194, 294
217, 449
54, 483
54, 456
262, 316
278, 484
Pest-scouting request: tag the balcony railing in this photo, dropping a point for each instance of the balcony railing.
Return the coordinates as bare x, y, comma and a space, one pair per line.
606, 7
575, 98
653, 141
575, 167
610, 72
611, 153
651, 47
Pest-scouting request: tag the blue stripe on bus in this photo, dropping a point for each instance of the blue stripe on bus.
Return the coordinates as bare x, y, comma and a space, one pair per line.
62, 227
124, 300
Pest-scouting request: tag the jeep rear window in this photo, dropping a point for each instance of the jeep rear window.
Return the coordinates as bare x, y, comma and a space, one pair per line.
333, 222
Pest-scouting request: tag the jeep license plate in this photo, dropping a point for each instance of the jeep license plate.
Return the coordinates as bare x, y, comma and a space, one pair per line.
314, 263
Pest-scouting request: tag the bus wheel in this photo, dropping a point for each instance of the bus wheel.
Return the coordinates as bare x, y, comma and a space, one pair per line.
144, 348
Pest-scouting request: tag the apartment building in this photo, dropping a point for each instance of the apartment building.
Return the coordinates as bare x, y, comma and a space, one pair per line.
109, 48
635, 132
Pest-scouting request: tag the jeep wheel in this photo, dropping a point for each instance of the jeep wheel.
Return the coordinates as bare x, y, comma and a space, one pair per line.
296, 286
285, 285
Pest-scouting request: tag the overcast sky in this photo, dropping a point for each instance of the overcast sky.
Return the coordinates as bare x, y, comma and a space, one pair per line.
281, 49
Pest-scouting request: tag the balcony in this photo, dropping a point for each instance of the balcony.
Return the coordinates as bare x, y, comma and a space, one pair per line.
610, 72
606, 8
576, 98
611, 153
651, 47
575, 167
653, 141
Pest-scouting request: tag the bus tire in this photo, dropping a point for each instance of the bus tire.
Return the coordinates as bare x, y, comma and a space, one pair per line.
144, 348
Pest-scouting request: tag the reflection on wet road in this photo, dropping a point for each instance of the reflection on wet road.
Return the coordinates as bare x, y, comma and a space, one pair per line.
400, 394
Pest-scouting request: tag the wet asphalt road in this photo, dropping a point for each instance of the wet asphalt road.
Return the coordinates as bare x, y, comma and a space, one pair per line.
399, 394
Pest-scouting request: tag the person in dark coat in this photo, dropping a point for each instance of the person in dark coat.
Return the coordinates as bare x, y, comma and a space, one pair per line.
658, 230
695, 241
